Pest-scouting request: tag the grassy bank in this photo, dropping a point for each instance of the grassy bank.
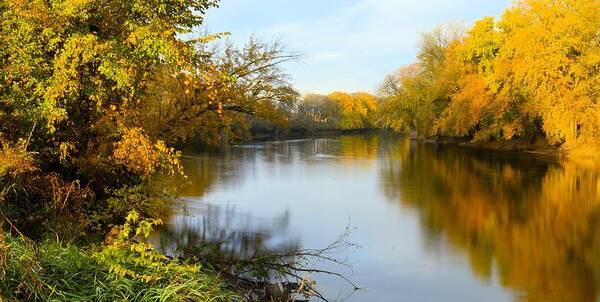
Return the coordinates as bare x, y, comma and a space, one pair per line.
121, 269
50, 271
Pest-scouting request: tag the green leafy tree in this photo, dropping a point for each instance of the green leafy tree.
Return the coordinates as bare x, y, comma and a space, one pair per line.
73, 77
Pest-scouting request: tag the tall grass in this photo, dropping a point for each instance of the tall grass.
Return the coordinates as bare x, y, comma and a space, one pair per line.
50, 271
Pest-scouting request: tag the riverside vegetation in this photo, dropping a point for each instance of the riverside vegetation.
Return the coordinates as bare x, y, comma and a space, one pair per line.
533, 73
95, 96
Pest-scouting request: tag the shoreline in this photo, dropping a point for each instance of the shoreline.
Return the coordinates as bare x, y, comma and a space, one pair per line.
538, 146
303, 133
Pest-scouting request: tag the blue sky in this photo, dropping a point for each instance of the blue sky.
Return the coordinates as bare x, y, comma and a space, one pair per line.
347, 45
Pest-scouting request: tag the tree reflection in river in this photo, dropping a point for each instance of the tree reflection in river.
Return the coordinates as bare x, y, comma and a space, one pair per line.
201, 225
534, 222
529, 224
226, 165
204, 229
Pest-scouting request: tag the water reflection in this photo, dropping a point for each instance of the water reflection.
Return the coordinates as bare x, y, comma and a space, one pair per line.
230, 165
201, 229
534, 222
526, 224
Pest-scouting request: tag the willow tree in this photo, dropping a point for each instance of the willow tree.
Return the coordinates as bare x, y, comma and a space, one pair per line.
402, 98
415, 95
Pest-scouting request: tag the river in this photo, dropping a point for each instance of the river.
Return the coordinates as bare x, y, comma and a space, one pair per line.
431, 222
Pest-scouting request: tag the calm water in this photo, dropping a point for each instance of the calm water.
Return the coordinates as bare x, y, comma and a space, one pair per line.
434, 223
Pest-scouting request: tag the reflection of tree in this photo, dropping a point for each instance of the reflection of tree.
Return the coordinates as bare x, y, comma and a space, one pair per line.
537, 222
233, 232
227, 165
346, 148
203, 171
358, 146
251, 252
209, 229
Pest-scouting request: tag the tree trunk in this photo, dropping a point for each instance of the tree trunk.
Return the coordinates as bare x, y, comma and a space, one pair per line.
412, 133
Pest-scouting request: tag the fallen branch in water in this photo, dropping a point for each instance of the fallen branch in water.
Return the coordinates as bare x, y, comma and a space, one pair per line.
268, 275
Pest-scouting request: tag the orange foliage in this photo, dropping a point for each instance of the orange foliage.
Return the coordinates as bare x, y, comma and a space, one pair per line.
534, 72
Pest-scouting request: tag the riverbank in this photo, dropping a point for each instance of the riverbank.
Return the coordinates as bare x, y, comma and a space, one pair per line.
538, 146
130, 270
53, 271
266, 136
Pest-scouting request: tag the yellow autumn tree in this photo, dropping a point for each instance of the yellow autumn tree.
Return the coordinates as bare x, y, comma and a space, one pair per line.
357, 109
533, 73
553, 51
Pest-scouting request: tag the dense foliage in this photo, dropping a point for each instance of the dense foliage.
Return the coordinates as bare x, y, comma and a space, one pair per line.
93, 95
532, 73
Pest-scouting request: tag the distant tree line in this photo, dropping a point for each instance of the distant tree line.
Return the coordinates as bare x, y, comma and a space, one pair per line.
335, 111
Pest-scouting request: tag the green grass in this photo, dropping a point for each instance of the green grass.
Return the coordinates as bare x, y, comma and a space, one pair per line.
50, 271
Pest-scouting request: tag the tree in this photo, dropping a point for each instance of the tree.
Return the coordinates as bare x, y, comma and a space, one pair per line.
552, 50
414, 96
532, 73
316, 111
92, 94
357, 109
229, 89
474, 108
